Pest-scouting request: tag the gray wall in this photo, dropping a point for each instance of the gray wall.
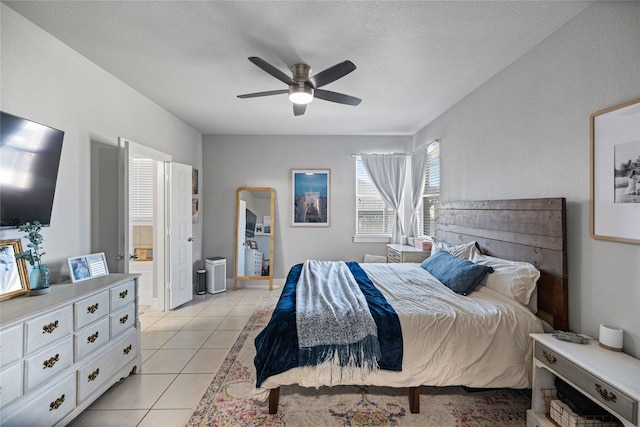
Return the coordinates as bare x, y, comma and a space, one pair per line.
45, 81
525, 133
266, 161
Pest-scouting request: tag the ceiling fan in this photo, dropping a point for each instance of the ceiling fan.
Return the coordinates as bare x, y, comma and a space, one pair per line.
302, 88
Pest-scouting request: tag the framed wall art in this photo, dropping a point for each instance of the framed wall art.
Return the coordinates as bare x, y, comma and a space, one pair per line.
14, 280
87, 266
615, 173
310, 197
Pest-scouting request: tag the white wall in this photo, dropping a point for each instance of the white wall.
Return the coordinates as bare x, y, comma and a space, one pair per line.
266, 161
45, 81
525, 133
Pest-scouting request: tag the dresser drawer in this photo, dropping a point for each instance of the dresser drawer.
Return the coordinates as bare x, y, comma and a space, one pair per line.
11, 344
122, 295
48, 328
91, 309
10, 383
93, 374
91, 338
47, 407
393, 256
42, 366
605, 394
122, 320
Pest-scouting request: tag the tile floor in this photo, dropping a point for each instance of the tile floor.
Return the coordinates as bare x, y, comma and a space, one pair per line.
181, 351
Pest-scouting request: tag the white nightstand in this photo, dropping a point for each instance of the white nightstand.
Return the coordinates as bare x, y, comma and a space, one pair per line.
405, 253
609, 378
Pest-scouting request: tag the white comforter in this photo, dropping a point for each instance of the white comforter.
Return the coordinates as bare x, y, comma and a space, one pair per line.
479, 340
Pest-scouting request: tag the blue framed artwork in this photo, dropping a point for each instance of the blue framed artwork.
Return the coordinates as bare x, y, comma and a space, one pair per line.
310, 197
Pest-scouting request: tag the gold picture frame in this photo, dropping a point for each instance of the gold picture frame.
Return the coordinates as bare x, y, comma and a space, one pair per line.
615, 173
14, 280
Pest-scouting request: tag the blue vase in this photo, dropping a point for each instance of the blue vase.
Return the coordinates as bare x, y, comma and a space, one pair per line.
39, 280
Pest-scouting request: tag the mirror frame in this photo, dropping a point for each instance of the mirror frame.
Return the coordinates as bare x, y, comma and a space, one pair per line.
16, 245
236, 277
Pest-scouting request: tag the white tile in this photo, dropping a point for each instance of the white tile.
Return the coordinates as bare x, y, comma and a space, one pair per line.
148, 311
187, 339
222, 339
250, 299
189, 310
203, 323
216, 310
206, 360
146, 321
236, 323
135, 392
166, 418
150, 340
147, 354
242, 310
225, 300
110, 418
167, 361
170, 323
184, 392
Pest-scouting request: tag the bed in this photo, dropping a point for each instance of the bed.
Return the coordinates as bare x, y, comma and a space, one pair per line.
478, 340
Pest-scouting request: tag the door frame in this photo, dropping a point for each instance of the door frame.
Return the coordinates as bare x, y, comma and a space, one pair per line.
160, 226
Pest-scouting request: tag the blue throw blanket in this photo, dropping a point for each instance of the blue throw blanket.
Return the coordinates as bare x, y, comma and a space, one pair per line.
277, 344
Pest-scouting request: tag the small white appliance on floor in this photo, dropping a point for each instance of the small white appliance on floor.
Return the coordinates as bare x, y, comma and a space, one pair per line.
216, 274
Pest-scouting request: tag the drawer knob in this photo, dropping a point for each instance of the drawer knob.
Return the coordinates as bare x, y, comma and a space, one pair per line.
92, 376
56, 403
549, 357
52, 361
127, 349
47, 329
93, 338
124, 293
606, 394
92, 308
124, 319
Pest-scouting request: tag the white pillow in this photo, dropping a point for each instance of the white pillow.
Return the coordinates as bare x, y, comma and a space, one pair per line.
510, 278
465, 251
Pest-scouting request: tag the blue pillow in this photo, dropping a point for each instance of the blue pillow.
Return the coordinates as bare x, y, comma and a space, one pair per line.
457, 274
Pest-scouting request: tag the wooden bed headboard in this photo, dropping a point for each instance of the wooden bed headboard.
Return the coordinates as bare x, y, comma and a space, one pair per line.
531, 230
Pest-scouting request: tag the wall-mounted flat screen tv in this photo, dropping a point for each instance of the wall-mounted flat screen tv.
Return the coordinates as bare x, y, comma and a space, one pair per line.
29, 160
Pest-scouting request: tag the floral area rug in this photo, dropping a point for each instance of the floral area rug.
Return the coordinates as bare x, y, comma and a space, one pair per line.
227, 401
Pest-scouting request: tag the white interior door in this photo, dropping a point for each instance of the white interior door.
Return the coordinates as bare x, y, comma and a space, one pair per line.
242, 224
181, 289
159, 281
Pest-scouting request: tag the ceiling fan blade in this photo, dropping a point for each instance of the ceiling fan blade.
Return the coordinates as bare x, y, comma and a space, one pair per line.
340, 98
267, 93
332, 74
299, 109
271, 69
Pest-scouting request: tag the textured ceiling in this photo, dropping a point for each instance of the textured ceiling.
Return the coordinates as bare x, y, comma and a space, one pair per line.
414, 59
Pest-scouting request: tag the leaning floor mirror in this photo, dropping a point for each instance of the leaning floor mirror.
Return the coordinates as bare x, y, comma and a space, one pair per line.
254, 235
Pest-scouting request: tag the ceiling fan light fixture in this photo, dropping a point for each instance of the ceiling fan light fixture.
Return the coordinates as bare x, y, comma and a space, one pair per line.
301, 94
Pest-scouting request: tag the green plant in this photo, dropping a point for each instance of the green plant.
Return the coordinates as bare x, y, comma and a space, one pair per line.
34, 254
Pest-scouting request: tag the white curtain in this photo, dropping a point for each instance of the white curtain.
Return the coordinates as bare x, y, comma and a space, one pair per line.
418, 175
387, 172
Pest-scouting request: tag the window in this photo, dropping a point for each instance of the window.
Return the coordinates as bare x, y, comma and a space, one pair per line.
431, 192
373, 217
141, 189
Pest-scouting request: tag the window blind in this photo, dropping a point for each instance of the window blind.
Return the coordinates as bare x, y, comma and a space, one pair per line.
141, 189
431, 193
373, 217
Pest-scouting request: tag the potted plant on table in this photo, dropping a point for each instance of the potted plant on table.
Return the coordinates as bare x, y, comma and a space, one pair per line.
39, 278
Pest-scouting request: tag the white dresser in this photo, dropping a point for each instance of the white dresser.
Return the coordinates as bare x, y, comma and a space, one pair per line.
59, 352
610, 379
